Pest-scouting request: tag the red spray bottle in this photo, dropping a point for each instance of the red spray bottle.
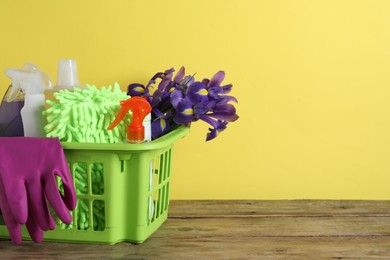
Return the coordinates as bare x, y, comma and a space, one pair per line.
140, 108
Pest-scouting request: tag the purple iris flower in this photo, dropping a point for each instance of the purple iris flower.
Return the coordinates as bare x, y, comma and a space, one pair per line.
176, 97
180, 100
184, 112
218, 117
135, 90
218, 126
160, 125
197, 93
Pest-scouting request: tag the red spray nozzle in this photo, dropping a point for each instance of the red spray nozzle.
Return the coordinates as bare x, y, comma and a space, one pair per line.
140, 108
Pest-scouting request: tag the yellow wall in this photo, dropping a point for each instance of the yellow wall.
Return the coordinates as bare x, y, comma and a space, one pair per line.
312, 79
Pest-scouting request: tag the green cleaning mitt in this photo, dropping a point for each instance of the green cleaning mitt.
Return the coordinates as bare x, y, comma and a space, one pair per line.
83, 115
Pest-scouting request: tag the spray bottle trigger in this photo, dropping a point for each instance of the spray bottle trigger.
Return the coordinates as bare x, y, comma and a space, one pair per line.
121, 114
13, 92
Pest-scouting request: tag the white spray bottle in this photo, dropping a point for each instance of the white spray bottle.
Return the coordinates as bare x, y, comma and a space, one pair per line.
32, 82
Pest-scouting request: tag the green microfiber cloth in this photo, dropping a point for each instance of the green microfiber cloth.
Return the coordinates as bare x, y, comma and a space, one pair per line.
82, 208
83, 115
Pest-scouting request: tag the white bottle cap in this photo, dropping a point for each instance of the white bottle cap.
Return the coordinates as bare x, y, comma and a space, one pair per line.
67, 76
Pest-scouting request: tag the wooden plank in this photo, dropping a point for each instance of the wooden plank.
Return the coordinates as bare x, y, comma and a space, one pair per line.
210, 248
258, 208
273, 227
244, 230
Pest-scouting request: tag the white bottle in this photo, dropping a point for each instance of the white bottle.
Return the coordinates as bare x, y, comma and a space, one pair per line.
67, 78
32, 118
67, 75
148, 128
33, 83
148, 137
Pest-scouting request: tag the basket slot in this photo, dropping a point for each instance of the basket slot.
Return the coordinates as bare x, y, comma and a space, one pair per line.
161, 170
80, 177
89, 183
97, 178
99, 218
160, 185
83, 215
167, 196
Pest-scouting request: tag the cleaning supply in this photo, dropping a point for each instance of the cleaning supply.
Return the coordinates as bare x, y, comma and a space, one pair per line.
67, 75
28, 170
140, 108
67, 78
83, 115
83, 222
10, 118
32, 82
139, 131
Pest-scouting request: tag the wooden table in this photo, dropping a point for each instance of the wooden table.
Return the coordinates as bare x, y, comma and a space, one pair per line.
244, 230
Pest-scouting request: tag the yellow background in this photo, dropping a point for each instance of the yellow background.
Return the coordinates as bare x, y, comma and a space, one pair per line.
312, 79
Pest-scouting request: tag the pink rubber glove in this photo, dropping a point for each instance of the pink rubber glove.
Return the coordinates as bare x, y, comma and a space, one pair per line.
28, 170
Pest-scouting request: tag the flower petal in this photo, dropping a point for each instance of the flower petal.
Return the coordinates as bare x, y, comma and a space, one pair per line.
209, 120
214, 132
157, 112
160, 126
220, 89
184, 112
217, 79
206, 82
227, 88
158, 75
224, 112
179, 75
176, 97
156, 98
197, 93
135, 89
163, 86
187, 81
218, 126
166, 81
230, 117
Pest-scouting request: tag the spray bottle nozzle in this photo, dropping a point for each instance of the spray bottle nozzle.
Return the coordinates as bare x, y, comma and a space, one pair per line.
140, 108
29, 79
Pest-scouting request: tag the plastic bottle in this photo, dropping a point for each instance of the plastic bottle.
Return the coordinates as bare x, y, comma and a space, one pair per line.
136, 130
10, 118
139, 131
67, 78
147, 123
33, 83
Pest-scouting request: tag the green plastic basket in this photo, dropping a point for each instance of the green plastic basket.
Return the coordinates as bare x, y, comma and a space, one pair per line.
124, 192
